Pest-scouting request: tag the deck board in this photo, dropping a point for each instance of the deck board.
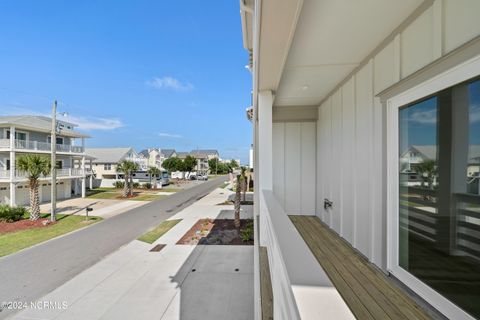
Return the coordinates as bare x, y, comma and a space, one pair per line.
266, 292
367, 291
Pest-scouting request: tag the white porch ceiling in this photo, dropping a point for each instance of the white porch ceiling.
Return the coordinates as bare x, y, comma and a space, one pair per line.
331, 39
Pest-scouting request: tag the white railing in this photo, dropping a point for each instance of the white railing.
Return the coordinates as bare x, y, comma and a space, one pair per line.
40, 146
301, 288
4, 143
4, 174
78, 172
66, 172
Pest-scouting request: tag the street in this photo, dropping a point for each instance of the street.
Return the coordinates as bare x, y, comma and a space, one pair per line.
34, 272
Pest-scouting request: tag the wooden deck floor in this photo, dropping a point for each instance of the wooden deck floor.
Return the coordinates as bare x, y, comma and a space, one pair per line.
366, 290
265, 285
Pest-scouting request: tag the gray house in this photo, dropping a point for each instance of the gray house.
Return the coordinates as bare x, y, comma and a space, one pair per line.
27, 134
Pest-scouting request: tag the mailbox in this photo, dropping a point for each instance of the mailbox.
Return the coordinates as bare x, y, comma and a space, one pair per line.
87, 210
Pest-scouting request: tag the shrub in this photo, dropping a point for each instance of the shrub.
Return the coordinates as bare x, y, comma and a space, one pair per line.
147, 185
247, 233
12, 214
136, 185
119, 184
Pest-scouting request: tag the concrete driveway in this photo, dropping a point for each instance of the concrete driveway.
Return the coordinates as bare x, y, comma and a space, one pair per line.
104, 208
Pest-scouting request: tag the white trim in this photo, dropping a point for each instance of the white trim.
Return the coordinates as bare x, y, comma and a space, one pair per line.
27, 134
462, 72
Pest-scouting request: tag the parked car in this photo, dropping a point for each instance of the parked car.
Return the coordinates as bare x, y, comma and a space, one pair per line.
202, 176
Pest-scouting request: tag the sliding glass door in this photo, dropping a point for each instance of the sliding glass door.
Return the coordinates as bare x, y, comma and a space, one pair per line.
439, 193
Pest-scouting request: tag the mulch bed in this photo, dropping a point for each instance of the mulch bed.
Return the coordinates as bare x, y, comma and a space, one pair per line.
215, 232
7, 227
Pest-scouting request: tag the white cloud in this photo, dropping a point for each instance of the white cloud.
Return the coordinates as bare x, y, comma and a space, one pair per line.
93, 123
424, 117
475, 114
430, 116
169, 135
170, 83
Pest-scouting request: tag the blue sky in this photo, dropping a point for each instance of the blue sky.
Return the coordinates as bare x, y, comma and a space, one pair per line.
418, 123
137, 73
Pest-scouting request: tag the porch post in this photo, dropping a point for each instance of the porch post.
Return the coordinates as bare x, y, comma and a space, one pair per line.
91, 174
13, 187
83, 177
263, 168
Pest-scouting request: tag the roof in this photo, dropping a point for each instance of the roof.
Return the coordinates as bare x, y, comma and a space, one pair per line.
144, 152
182, 155
429, 152
168, 152
199, 153
39, 123
108, 155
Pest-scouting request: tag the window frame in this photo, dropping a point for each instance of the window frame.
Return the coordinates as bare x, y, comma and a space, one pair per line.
465, 71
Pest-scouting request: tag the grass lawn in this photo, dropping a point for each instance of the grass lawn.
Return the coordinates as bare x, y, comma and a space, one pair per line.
115, 194
100, 194
158, 231
15, 241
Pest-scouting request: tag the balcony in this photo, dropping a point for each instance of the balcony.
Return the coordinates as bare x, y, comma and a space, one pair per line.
316, 274
40, 146
66, 173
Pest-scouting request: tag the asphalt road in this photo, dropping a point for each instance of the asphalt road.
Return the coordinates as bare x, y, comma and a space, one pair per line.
32, 273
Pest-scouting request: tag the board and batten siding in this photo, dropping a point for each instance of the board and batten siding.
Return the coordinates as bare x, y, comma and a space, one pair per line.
294, 145
350, 127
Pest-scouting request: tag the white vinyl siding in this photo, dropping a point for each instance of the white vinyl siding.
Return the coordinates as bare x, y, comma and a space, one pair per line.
294, 166
350, 127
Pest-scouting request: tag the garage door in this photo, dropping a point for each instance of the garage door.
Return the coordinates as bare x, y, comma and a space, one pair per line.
45, 193
4, 194
22, 195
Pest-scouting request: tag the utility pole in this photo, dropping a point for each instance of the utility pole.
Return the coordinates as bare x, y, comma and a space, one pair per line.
53, 143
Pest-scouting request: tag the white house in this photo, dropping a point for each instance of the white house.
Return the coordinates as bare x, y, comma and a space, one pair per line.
28, 134
340, 90
105, 161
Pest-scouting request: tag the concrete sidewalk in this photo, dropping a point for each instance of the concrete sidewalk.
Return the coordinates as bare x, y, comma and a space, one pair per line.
179, 282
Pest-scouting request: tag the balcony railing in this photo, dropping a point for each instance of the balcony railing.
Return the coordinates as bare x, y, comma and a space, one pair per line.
299, 279
67, 172
419, 214
40, 146
4, 174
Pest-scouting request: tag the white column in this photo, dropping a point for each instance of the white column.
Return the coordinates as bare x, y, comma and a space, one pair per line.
13, 187
263, 169
83, 177
91, 174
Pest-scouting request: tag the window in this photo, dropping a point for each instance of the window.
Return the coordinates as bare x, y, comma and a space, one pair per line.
19, 135
107, 167
58, 139
438, 213
59, 164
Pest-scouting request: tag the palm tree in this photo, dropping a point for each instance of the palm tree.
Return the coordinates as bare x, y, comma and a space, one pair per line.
428, 170
35, 166
133, 167
127, 167
154, 172
243, 182
238, 190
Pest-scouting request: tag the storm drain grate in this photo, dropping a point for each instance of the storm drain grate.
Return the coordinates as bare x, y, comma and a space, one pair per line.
158, 247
